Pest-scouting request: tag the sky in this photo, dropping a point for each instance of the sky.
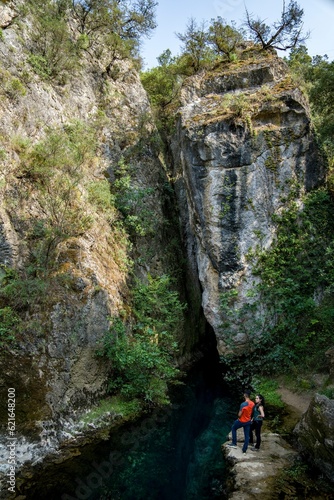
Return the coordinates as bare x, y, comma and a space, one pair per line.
173, 15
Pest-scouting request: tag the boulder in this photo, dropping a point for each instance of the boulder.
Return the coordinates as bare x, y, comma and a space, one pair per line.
254, 474
315, 435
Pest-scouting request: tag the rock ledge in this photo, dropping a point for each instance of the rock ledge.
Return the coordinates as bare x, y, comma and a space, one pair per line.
254, 473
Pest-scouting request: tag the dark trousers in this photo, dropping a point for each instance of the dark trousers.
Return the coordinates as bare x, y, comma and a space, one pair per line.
256, 426
246, 426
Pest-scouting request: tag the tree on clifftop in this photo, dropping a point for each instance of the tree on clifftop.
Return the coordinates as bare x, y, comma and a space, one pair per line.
283, 34
113, 27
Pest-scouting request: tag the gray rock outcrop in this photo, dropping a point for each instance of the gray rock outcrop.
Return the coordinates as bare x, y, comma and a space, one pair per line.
315, 435
243, 145
254, 474
54, 367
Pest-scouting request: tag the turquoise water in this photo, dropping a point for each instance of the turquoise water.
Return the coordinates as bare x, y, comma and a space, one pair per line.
174, 453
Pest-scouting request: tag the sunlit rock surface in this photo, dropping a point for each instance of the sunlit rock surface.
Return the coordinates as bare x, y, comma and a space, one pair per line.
242, 147
254, 473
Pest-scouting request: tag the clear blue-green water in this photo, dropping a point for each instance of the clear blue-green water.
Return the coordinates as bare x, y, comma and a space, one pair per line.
174, 453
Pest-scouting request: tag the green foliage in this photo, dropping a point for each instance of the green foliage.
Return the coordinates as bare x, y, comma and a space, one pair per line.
224, 38
54, 166
195, 45
112, 30
301, 480
317, 77
12, 87
133, 202
99, 195
21, 292
53, 51
288, 316
328, 392
268, 389
157, 307
40, 65
18, 291
114, 406
297, 279
161, 83
9, 323
143, 362
321, 93
15, 88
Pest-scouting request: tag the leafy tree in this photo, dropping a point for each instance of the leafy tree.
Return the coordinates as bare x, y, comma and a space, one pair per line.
54, 166
224, 38
195, 45
113, 28
162, 82
144, 362
53, 51
321, 95
288, 316
284, 34
317, 77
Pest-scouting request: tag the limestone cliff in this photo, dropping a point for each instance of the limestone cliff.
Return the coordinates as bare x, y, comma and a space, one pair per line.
243, 145
53, 366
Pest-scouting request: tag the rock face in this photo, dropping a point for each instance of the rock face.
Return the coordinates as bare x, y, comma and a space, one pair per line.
255, 472
54, 369
242, 147
315, 434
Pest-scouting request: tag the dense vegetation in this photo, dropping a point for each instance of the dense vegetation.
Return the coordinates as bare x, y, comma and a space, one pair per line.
64, 33
144, 362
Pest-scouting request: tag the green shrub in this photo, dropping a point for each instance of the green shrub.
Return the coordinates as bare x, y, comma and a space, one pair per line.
9, 322
289, 315
53, 50
133, 202
328, 392
143, 351
40, 65
99, 195
20, 292
14, 88
268, 389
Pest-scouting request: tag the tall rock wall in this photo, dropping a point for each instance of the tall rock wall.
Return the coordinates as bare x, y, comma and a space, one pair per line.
54, 367
243, 146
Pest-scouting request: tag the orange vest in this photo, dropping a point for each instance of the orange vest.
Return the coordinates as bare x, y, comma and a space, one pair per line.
246, 411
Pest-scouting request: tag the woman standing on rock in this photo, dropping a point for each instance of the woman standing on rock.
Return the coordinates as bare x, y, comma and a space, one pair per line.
257, 420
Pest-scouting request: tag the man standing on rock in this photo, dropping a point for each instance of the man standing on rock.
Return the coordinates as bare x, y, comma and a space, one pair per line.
244, 420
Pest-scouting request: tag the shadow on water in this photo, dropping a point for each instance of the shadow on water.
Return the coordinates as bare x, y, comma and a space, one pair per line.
175, 453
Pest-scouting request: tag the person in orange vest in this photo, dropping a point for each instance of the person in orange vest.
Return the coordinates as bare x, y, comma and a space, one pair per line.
244, 420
